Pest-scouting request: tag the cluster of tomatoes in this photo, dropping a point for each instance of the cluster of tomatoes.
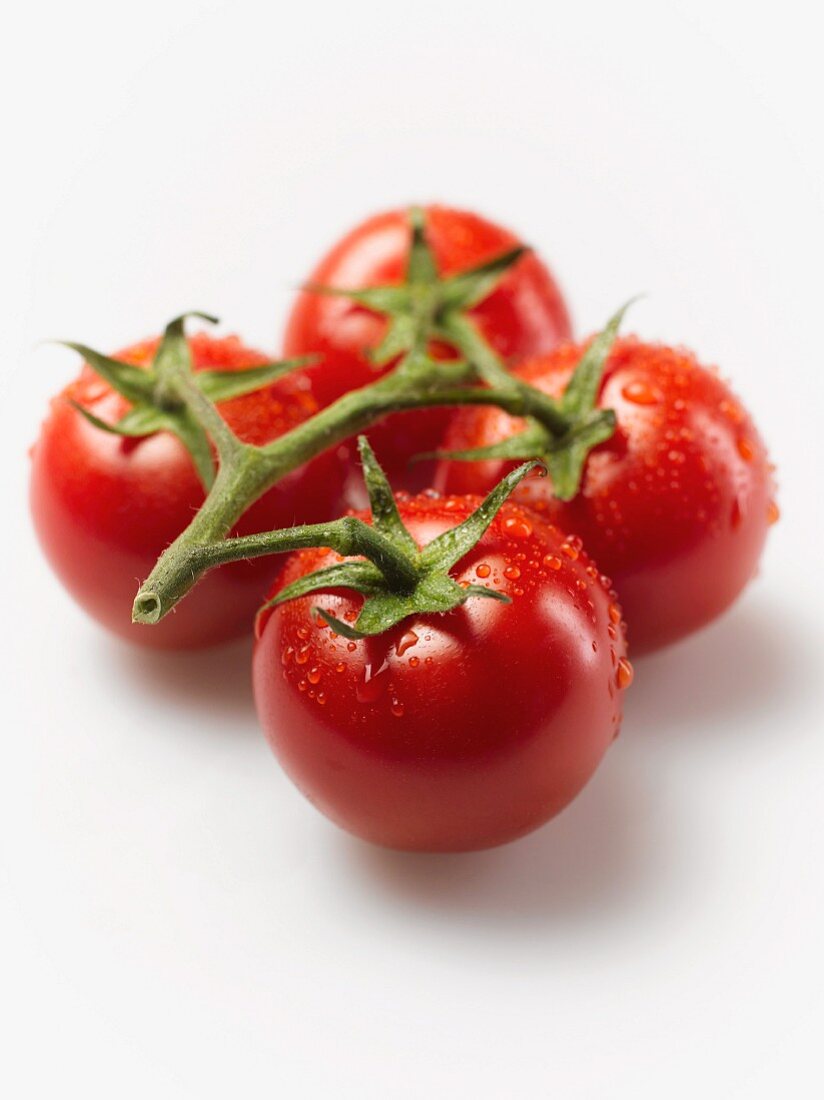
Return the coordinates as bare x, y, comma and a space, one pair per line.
469, 728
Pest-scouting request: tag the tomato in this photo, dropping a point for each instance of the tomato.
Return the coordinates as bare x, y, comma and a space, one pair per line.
105, 507
674, 507
525, 315
455, 731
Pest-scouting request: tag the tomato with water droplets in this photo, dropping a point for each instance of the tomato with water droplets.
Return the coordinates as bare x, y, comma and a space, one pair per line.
455, 731
675, 507
524, 315
105, 507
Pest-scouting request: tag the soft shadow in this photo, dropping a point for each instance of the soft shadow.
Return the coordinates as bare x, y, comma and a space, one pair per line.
597, 856
215, 681
712, 683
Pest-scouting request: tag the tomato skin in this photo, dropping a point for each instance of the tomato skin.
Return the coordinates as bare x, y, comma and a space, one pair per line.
525, 315
105, 507
450, 732
674, 508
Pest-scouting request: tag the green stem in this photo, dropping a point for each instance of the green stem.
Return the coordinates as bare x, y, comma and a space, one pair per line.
463, 334
245, 473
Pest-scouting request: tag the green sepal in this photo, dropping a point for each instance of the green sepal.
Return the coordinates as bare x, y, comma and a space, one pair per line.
533, 442
385, 515
469, 288
448, 549
581, 392
133, 383
566, 457
362, 576
221, 385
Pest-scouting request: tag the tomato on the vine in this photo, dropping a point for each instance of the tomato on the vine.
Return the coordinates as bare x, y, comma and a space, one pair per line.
105, 507
524, 315
674, 507
448, 731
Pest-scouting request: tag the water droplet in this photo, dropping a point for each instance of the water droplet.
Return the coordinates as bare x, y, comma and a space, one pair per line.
373, 683
397, 708
732, 411
569, 551
351, 646
313, 675
340, 666
614, 613
407, 641
302, 685
640, 393
624, 674
414, 662
773, 513
287, 655
517, 527
302, 655
322, 698
745, 448
552, 562
512, 572
483, 570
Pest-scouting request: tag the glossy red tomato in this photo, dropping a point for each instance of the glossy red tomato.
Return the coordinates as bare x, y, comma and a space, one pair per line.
675, 507
454, 731
525, 315
105, 507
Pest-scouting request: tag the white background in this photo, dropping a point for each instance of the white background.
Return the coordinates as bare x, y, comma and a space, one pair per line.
174, 920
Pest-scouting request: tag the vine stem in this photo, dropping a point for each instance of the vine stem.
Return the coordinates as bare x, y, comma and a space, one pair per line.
246, 472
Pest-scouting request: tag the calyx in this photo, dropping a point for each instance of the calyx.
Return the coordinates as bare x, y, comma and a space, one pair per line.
397, 579
156, 403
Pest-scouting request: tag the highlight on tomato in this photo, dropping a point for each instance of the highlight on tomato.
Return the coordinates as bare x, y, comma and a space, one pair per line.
119, 470
456, 689
514, 300
674, 505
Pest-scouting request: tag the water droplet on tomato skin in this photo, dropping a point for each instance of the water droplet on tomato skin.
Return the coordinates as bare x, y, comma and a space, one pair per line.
773, 513
512, 572
321, 699
745, 448
287, 655
483, 570
340, 667
640, 393
732, 411
373, 684
397, 708
517, 527
414, 662
409, 639
614, 613
351, 647
313, 675
624, 673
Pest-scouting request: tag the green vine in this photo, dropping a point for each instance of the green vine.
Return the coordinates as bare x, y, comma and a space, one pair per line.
422, 309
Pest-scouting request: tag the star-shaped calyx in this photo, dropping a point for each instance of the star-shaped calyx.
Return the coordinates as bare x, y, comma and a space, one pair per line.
156, 403
563, 452
423, 307
397, 579
427, 307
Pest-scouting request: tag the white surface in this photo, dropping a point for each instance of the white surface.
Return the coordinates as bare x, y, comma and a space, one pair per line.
174, 919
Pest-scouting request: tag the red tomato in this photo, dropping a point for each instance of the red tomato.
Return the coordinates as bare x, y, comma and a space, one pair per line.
525, 315
674, 507
105, 507
456, 731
